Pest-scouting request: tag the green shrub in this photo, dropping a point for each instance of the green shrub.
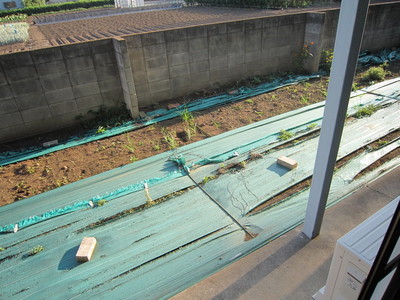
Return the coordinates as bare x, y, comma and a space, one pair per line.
374, 74
285, 135
326, 60
31, 3
35, 250
365, 111
13, 18
56, 7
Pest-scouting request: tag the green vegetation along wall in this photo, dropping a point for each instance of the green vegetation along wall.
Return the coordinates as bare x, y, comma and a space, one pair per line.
35, 6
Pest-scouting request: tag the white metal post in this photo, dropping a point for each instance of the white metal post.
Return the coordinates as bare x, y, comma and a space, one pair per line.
347, 46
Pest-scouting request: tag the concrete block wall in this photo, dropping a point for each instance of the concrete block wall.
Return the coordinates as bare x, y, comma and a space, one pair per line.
173, 63
382, 28
47, 89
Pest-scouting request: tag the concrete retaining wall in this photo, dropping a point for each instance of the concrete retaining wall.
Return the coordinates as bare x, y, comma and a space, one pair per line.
173, 63
47, 89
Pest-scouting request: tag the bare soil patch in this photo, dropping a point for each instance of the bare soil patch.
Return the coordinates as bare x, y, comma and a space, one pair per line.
31, 177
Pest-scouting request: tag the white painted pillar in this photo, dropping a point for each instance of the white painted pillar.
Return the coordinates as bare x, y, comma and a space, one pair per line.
349, 34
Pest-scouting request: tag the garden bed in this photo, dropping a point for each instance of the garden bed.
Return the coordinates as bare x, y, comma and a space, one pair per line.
31, 177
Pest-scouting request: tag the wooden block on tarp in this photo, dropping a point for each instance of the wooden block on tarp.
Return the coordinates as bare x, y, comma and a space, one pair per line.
86, 249
287, 162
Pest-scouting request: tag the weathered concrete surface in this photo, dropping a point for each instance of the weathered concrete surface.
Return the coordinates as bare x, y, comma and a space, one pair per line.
47, 89
292, 267
152, 67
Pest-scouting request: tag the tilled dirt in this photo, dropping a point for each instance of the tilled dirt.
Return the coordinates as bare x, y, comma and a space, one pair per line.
147, 21
28, 178
76, 31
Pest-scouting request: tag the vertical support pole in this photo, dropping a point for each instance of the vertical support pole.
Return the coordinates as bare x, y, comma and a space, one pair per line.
349, 34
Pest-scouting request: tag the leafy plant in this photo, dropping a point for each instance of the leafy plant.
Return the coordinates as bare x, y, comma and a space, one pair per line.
255, 80
13, 18
31, 3
383, 143
187, 116
241, 165
101, 129
101, 202
302, 56
57, 7
354, 86
35, 250
249, 101
208, 179
374, 74
133, 159
189, 120
61, 182
285, 135
105, 117
216, 124
304, 99
365, 111
130, 145
326, 59
157, 147
312, 126
31, 170
2, 249
169, 138
21, 186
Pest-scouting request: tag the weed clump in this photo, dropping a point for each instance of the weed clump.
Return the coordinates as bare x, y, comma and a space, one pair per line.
326, 60
35, 250
312, 126
190, 122
374, 74
169, 138
208, 179
365, 111
285, 135
101, 202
